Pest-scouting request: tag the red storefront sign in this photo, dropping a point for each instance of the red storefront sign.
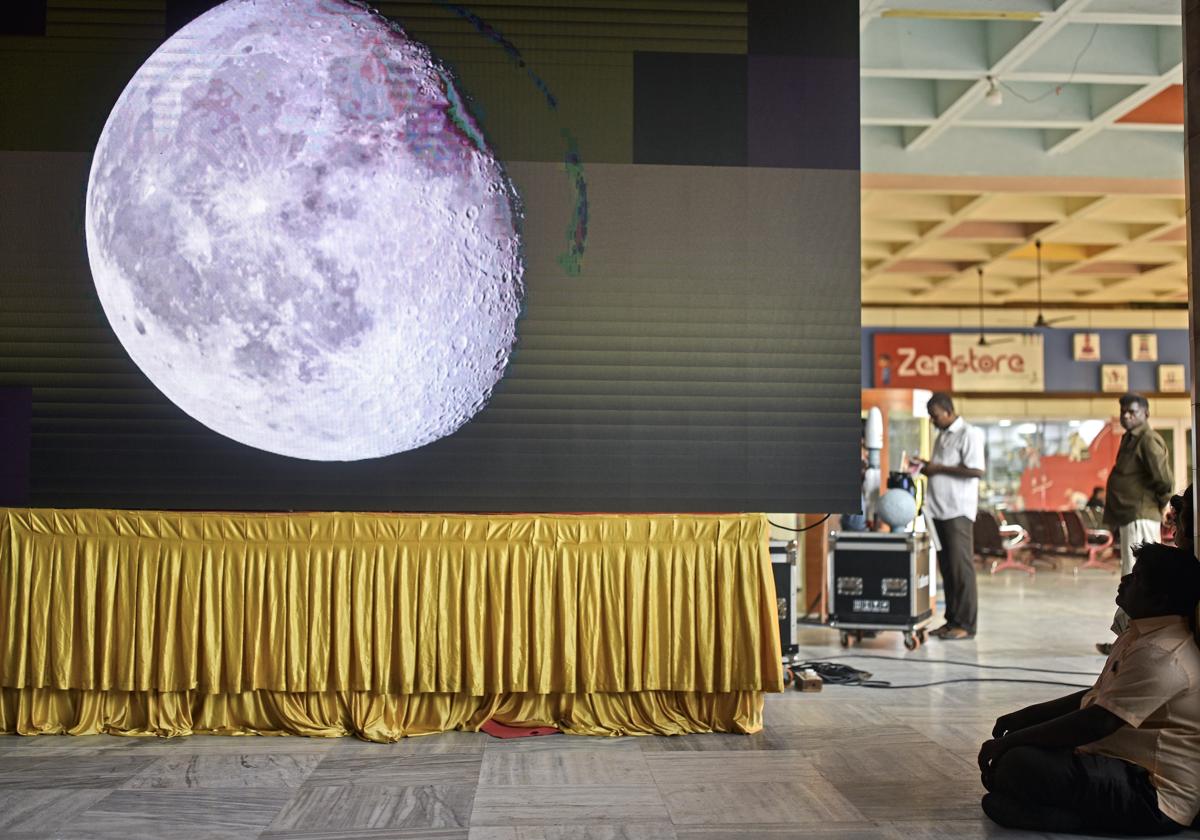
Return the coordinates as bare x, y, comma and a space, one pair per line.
956, 362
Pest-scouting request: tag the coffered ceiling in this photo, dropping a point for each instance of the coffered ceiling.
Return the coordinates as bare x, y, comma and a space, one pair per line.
989, 124
1104, 241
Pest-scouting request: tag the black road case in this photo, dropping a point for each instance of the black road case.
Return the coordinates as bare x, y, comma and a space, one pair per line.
787, 584
879, 581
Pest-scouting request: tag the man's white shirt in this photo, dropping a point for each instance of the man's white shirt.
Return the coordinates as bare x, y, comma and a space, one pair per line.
950, 496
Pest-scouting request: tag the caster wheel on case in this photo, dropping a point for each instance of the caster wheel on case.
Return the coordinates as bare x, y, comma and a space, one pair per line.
911, 642
844, 638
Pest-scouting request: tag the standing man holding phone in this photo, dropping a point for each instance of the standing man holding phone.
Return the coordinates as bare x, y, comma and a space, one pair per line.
952, 502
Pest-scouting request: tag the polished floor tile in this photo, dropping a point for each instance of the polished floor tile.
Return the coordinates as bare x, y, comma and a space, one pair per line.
924, 760
43, 810
619, 831
914, 797
979, 828
421, 807
782, 831
86, 771
80, 745
826, 709
381, 770
568, 767
816, 738
441, 743
673, 769
513, 805
59, 744
565, 742
370, 834
226, 771
768, 739
238, 744
809, 801
156, 814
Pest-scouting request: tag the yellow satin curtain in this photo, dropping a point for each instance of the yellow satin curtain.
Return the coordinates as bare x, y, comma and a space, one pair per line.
382, 625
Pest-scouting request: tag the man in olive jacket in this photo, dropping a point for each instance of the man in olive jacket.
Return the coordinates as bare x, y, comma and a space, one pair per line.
1138, 489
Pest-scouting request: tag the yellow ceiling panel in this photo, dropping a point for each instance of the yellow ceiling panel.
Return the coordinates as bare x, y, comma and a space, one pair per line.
922, 242
1052, 252
1022, 207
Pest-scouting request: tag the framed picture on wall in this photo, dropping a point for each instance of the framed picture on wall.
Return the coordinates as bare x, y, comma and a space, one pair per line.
1143, 347
1087, 347
1114, 378
1172, 379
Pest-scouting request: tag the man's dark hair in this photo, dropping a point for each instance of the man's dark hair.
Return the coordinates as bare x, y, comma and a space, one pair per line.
1182, 502
1172, 574
1185, 526
1132, 400
942, 400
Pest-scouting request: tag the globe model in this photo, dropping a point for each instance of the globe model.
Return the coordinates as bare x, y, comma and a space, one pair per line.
896, 508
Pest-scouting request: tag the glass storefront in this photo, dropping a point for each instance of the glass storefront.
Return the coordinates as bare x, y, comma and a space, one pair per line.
1057, 464
1026, 462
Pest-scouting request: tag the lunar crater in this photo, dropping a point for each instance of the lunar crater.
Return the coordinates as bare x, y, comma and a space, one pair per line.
316, 258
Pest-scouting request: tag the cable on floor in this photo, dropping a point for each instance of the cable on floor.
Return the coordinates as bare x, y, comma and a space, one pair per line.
969, 664
835, 673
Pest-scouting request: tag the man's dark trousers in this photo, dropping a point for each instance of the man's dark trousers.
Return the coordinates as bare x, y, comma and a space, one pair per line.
956, 562
1059, 790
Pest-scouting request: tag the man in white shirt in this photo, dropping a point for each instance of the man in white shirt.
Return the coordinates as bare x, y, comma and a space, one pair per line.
954, 471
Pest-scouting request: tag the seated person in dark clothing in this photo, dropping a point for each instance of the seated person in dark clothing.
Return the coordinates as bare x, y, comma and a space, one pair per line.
1182, 520
1096, 502
1122, 757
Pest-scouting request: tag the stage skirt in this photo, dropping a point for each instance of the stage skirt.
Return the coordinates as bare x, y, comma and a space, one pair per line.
381, 625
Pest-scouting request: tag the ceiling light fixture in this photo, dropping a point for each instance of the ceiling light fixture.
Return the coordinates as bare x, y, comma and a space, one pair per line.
994, 95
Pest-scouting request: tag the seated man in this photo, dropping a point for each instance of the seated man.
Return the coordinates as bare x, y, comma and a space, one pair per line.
1122, 757
1181, 519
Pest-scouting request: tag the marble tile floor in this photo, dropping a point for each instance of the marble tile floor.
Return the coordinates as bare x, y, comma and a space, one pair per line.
843, 764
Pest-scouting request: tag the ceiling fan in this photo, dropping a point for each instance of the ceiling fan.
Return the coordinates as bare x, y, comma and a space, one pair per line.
1042, 320
983, 339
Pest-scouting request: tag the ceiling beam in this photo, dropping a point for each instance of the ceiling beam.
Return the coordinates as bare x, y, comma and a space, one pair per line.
1121, 289
1104, 254
1130, 18
1081, 212
1051, 24
1012, 76
1165, 128
868, 10
957, 215
1108, 117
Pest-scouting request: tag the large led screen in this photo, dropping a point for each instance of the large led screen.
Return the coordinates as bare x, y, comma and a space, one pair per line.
308, 254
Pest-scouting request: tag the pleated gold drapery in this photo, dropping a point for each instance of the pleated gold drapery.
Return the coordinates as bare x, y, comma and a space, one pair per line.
145, 622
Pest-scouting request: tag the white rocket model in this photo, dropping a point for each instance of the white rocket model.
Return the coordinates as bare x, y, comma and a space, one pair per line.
873, 440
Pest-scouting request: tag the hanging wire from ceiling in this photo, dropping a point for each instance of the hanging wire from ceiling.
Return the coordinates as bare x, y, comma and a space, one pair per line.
1056, 89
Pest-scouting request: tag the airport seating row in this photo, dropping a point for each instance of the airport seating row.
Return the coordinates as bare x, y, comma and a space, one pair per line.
1024, 540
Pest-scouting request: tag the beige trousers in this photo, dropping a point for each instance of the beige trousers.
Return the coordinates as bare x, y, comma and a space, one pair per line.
1138, 532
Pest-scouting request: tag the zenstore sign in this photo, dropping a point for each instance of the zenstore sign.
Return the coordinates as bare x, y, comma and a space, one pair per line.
956, 362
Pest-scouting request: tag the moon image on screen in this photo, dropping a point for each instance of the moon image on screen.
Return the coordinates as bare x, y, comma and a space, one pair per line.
299, 234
